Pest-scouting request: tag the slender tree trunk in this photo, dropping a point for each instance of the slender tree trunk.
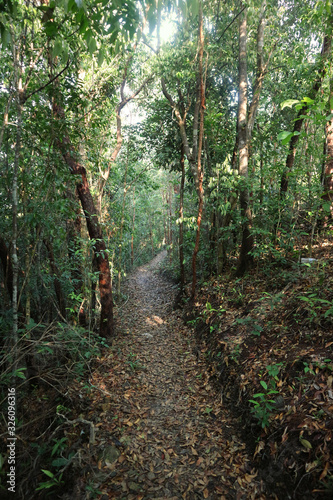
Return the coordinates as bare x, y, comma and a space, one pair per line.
151, 237
7, 267
194, 156
261, 71
325, 54
200, 173
74, 253
56, 279
328, 166
170, 221
15, 267
247, 239
94, 229
133, 227
122, 226
181, 221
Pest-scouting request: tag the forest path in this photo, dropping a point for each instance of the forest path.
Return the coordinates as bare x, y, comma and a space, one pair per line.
164, 431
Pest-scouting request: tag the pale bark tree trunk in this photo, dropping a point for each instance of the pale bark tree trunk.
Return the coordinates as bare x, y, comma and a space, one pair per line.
247, 239
170, 221
194, 156
104, 174
200, 173
249, 121
122, 226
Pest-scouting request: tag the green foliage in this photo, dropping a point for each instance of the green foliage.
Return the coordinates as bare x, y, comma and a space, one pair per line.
53, 482
263, 404
317, 307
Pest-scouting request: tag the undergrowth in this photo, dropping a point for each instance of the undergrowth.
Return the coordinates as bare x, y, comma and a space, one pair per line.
49, 368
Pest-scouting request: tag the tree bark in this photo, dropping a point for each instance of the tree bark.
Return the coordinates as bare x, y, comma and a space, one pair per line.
7, 267
122, 223
181, 221
325, 53
95, 233
261, 71
15, 265
56, 280
133, 227
327, 180
200, 173
104, 175
247, 239
74, 251
194, 156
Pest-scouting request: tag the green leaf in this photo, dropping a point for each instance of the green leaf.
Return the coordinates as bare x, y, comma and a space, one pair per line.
43, 486
264, 385
283, 135
305, 443
289, 103
194, 6
327, 207
100, 57
92, 46
51, 28
48, 473
59, 462
308, 100
331, 103
57, 48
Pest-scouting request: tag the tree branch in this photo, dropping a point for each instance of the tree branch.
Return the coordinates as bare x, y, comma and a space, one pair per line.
48, 83
234, 19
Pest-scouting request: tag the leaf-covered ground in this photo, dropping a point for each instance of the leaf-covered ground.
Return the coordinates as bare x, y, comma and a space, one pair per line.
267, 340
236, 405
163, 431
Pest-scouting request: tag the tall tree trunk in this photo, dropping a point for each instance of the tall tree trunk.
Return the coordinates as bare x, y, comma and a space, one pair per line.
328, 166
325, 54
56, 279
181, 220
199, 169
94, 229
122, 224
15, 266
194, 156
7, 268
74, 252
247, 239
170, 221
133, 227
261, 71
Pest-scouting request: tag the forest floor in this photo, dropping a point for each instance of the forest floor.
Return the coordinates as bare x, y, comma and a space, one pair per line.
163, 431
229, 398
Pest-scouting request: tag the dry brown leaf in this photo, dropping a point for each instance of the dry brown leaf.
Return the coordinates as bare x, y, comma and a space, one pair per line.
325, 471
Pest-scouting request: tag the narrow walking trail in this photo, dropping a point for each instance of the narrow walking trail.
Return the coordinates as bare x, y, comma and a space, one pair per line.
163, 431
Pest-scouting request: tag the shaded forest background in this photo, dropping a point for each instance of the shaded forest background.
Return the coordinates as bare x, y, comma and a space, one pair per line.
205, 128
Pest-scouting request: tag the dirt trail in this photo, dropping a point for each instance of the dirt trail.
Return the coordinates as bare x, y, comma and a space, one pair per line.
163, 428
